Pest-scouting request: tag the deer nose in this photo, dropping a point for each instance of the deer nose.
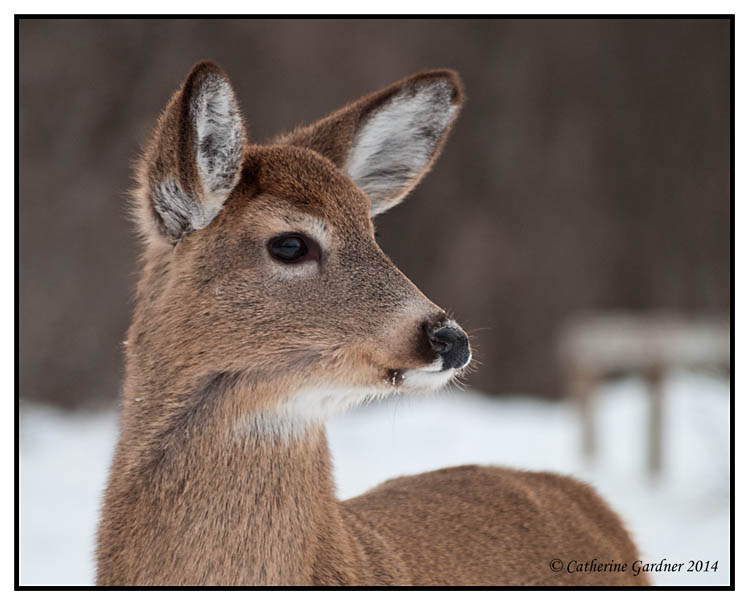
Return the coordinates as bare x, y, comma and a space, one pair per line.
451, 344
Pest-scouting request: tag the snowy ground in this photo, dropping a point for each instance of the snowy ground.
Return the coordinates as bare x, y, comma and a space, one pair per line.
681, 517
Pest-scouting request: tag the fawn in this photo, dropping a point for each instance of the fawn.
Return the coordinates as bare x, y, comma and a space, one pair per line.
264, 306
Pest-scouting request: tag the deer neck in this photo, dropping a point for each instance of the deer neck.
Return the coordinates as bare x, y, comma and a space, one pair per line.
209, 494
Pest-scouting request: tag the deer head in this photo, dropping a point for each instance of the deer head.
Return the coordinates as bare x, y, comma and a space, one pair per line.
261, 261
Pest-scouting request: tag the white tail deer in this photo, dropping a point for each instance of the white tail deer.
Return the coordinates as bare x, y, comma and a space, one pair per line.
264, 306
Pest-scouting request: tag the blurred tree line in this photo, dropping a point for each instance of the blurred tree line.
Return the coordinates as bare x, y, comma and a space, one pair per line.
590, 169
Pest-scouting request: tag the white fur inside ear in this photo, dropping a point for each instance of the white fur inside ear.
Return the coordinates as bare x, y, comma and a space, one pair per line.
179, 212
397, 142
220, 139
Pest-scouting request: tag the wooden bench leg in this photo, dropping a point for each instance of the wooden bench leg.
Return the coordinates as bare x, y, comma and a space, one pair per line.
583, 384
654, 380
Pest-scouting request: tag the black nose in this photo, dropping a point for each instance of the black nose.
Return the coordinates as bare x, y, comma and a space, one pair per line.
452, 345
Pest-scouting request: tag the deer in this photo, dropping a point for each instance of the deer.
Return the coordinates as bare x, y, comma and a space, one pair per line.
265, 306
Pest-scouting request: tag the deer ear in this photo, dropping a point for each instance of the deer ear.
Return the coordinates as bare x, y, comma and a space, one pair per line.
387, 141
195, 156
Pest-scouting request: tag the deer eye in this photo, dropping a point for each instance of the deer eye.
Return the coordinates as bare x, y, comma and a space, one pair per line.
290, 248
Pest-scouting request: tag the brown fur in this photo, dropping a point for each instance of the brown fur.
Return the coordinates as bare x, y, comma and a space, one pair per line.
201, 491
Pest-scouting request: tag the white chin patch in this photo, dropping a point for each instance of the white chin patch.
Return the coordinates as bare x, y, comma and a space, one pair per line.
428, 378
321, 403
306, 408
313, 406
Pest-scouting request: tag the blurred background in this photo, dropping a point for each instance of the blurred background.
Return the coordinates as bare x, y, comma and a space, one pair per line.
578, 220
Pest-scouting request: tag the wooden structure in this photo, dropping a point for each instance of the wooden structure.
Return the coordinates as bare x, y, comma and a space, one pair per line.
597, 345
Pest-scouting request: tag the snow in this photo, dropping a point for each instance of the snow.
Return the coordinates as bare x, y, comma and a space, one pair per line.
681, 516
